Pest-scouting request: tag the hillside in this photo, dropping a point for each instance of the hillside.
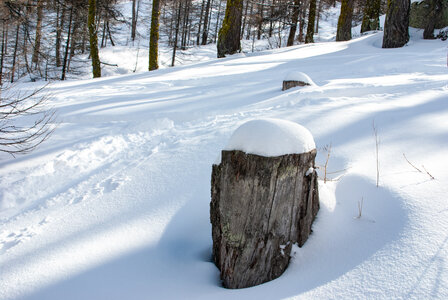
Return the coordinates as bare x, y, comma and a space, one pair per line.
116, 204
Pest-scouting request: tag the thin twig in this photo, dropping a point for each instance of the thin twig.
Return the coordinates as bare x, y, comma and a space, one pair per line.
412, 165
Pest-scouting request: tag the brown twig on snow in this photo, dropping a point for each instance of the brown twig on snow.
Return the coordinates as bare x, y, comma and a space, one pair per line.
412, 165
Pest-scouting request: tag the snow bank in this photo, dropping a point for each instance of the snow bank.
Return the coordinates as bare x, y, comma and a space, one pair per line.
298, 76
271, 137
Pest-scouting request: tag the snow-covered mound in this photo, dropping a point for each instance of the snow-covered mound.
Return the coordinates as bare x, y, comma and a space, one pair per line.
298, 76
271, 137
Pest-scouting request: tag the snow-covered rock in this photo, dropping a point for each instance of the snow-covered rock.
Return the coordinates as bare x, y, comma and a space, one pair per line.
271, 137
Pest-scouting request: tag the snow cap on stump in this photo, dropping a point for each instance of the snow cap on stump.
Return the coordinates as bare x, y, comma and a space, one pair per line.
264, 199
295, 78
271, 137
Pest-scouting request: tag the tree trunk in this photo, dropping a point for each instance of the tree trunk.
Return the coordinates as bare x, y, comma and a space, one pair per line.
260, 19
217, 21
4, 39
371, 18
432, 18
229, 34
93, 37
59, 27
319, 10
206, 18
36, 52
179, 10
14, 56
154, 36
344, 31
309, 38
260, 207
198, 37
134, 20
67, 46
295, 19
396, 26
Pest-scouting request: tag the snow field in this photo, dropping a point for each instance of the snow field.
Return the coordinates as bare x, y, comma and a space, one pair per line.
115, 205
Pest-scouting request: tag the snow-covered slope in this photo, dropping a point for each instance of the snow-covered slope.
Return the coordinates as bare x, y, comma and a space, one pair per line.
116, 204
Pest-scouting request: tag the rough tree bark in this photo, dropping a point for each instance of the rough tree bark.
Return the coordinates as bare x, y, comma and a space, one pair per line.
154, 36
93, 37
396, 26
260, 207
295, 19
229, 34
344, 31
309, 38
431, 20
206, 18
371, 17
36, 52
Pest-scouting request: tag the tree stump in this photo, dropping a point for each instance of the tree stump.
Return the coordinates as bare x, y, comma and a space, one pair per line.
260, 207
293, 79
287, 84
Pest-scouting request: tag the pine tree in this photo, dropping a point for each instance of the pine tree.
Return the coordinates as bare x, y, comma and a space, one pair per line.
396, 26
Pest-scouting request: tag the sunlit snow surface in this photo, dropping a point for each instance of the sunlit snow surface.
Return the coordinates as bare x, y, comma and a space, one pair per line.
116, 204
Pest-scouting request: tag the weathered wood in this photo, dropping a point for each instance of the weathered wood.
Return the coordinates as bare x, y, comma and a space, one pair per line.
287, 84
260, 207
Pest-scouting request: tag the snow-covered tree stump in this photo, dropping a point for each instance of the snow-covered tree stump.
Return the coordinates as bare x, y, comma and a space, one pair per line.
264, 200
294, 79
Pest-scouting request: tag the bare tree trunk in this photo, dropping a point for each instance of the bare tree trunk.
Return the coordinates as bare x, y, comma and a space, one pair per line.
67, 46
435, 12
198, 37
396, 26
295, 19
302, 25
206, 18
109, 33
344, 31
319, 10
217, 21
4, 40
154, 37
229, 41
60, 17
179, 10
36, 52
309, 38
246, 7
14, 56
260, 19
134, 20
371, 17
94, 55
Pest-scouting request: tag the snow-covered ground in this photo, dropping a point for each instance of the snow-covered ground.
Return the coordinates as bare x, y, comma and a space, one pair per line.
116, 204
